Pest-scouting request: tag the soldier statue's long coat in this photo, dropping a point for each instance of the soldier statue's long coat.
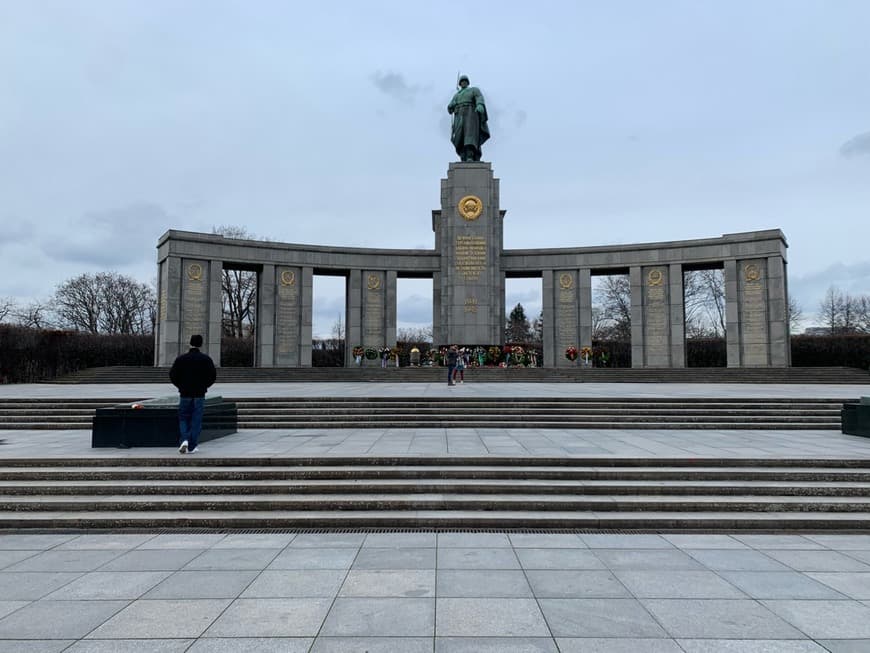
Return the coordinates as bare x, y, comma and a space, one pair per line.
469, 124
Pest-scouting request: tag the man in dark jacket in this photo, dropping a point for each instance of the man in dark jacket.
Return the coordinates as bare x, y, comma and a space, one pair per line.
452, 355
192, 373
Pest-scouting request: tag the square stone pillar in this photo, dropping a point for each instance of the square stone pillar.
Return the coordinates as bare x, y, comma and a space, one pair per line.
265, 312
168, 311
469, 240
353, 315
306, 308
215, 312
676, 298
584, 289
548, 309
753, 309
777, 312
566, 301
637, 332
371, 310
287, 284
732, 315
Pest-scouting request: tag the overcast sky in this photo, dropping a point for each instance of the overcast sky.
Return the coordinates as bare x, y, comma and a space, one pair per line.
326, 123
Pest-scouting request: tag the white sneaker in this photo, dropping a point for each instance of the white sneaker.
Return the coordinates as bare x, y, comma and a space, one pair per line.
183, 447
462, 381
194, 450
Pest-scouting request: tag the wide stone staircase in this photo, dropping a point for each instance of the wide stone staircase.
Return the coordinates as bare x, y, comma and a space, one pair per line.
805, 375
435, 492
469, 412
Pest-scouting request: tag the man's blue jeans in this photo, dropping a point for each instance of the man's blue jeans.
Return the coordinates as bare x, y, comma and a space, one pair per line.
450, 369
190, 420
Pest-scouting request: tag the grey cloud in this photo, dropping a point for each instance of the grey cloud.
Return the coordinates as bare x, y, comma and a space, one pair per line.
415, 309
114, 237
856, 146
394, 85
15, 231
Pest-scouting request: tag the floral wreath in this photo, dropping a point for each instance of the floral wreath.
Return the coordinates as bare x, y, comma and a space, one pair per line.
371, 353
571, 353
358, 351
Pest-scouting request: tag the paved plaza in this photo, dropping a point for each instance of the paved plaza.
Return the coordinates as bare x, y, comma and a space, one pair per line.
456, 592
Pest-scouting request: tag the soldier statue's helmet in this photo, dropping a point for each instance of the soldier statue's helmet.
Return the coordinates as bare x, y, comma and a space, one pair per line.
465, 77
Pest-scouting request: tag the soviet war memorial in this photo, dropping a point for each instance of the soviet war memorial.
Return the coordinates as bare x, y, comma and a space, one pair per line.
525, 363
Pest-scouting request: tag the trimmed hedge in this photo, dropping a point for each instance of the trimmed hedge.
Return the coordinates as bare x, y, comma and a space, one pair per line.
30, 355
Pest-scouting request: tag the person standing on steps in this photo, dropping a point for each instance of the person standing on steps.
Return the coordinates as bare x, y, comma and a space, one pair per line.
193, 374
460, 367
452, 355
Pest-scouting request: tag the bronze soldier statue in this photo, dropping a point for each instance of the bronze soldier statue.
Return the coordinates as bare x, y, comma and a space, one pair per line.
470, 130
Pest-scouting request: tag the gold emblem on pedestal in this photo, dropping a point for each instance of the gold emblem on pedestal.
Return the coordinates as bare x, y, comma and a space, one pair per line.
194, 272
470, 207
288, 278
751, 272
566, 281
373, 282
655, 277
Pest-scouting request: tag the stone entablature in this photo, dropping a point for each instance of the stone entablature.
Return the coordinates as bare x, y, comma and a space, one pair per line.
468, 267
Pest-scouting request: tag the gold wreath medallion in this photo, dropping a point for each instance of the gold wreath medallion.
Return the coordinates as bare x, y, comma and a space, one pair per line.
470, 207
751, 272
373, 282
566, 281
655, 277
194, 272
288, 278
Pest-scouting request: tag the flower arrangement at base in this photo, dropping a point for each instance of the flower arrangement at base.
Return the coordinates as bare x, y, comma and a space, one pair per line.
371, 353
571, 353
518, 355
358, 351
494, 354
480, 355
586, 352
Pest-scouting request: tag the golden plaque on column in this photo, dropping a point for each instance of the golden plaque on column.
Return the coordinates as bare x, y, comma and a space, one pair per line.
470, 207
566, 281
194, 272
374, 282
288, 278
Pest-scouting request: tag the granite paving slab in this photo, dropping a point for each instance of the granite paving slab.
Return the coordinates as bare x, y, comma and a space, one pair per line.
398, 583
612, 645
825, 619
251, 645
574, 584
780, 585
719, 619
677, 584
161, 618
471, 617
296, 583
255, 618
372, 645
202, 585
350, 617
57, 619
494, 645
605, 618
478, 583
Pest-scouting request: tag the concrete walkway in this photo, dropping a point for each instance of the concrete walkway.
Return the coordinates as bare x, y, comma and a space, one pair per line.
446, 592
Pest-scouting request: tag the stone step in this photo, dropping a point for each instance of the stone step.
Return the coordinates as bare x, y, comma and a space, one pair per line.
461, 486
267, 473
521, 502
452, 519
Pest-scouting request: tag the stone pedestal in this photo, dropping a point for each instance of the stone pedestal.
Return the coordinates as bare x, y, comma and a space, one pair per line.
371, 310
469, 287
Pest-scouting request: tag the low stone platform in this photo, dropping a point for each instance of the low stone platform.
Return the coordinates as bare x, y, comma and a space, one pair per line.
154, 423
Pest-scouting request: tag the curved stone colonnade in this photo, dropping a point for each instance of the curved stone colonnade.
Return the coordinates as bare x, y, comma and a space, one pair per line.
468, 267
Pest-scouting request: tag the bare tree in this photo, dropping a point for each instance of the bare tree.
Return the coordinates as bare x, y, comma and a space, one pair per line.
415, 335
36, 314
7, 308
106, 302
830, 310
538, 329
239, 291
704, 303
613, 295
795, 314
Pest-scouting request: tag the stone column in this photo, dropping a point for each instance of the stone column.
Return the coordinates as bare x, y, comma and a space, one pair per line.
677, 315
287, 283
215, 312
469, 242
378, 318
265, 325
196, 295
637, 332
584, 288
353, 315
548, 309
656, 316
777, 311
732, 315
168, 311
567, 309
753, 310
306, 308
